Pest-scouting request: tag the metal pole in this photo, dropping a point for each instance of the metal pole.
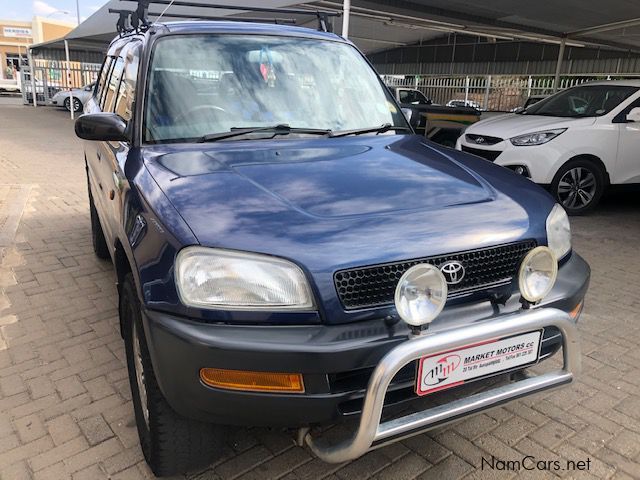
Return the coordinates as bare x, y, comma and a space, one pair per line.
486, 92
466, 91
346, 10
71, 103
33, 79
556, 79
78, 11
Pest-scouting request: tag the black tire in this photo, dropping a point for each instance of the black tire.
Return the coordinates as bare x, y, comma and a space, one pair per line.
171, 444
578, 186
97, 235
77, 104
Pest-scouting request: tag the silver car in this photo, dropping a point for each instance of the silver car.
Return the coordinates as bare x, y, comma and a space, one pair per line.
80, 96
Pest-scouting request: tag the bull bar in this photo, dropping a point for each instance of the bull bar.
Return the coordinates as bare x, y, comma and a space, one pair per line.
372, 434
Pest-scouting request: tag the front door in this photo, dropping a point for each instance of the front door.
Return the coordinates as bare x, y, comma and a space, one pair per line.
627, 169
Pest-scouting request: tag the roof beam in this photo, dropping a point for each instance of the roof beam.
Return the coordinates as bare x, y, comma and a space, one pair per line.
466, 22
606, 27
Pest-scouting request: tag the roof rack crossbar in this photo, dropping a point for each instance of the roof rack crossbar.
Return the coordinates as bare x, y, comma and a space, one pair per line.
290, 11
278, 20
138, 19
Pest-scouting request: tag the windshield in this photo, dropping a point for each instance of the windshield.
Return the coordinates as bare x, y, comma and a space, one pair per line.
205, 84
584, 101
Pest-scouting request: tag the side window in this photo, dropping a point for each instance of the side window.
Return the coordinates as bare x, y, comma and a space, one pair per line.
105, 87
127, 88
112, 86
102, 80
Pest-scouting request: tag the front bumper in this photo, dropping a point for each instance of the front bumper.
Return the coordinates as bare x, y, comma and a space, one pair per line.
337, 361
371, 433
541, 161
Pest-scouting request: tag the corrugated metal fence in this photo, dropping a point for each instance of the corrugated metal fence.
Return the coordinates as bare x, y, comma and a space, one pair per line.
491, 92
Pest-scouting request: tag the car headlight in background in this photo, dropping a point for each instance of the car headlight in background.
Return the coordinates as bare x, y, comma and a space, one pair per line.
226, 279
536, 138
558, 231
421, 294
538, 273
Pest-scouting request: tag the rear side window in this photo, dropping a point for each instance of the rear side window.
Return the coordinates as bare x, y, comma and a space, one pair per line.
113, 84
127, 87
102, 81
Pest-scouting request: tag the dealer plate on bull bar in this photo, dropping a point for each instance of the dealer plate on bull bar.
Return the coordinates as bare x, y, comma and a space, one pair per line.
450, 369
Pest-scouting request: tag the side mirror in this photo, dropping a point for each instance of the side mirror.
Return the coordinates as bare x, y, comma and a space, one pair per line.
518, 110
633, 115
88, 88
105, 127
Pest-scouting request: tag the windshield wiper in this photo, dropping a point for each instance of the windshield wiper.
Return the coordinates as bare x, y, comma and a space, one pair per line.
359, 131
281, 129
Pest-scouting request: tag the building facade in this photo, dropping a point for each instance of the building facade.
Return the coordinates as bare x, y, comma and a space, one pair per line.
17, 36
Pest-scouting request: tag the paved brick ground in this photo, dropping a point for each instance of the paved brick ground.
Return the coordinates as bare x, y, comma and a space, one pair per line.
64, 399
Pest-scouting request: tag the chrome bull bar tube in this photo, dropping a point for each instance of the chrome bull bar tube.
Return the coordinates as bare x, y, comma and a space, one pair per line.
370, 429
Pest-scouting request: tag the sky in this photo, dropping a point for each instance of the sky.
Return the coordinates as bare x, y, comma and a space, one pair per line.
64, 10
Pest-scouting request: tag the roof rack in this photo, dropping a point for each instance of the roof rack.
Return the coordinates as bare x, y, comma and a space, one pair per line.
137, 20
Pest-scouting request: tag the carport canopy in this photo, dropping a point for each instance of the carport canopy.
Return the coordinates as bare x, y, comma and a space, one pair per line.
376, 25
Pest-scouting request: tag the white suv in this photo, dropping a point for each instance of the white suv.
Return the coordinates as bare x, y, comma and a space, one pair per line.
578, 141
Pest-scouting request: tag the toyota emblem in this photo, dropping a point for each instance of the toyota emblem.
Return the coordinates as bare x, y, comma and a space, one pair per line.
453, 272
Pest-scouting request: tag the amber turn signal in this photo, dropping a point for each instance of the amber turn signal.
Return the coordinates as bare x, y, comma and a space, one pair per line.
576, 310
252, 381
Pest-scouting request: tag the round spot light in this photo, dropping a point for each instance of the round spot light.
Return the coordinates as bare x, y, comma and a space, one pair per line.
538, 273
421, 294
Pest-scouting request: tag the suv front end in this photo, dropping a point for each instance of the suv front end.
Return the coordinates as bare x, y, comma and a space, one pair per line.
306, 267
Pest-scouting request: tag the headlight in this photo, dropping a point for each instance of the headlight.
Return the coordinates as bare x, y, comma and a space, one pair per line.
537, 138
421, 294
538, 273
558, 231
230, 280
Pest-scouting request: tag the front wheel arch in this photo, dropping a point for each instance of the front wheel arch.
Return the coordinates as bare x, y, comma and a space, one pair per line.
594, 159
581, 164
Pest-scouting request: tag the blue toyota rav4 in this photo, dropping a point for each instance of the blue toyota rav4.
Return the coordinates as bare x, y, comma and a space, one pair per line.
288, 253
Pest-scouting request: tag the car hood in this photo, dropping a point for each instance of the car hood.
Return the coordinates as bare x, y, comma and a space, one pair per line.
513, 124
334, 203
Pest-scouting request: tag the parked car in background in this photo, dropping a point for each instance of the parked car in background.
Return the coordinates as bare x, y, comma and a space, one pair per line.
464, 103
415, 103
577, 142
444, 124
9, 86
409, 96
280, 250
80, 97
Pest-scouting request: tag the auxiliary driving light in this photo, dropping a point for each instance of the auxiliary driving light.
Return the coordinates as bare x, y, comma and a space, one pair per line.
421, 294
252, 381
538, 273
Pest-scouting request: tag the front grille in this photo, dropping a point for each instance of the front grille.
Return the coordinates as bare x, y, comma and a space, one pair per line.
482, 139
490, 155
374, 285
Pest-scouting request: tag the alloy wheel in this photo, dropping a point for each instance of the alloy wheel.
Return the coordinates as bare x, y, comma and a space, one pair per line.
577, 188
